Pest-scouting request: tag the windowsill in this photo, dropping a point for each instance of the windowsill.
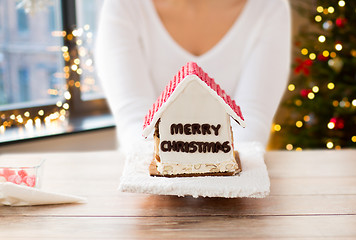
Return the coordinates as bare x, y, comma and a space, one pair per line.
75, 125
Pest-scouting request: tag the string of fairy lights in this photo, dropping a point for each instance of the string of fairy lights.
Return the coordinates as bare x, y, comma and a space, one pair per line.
74, 67
331, 56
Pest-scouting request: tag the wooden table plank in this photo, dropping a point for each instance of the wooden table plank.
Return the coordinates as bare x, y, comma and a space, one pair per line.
150, 205
313, 186
313, 163
221, 227
279, 186
281, 164
74, 172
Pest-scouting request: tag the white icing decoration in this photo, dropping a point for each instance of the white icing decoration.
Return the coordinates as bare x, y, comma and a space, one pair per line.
194, 105
181, 86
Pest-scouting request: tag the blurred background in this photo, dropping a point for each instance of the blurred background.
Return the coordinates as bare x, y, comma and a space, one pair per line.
49, 88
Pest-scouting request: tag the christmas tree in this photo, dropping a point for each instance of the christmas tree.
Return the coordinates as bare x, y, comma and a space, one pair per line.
321, 100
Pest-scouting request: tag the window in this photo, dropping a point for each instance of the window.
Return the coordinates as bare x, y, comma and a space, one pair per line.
47, 71
26, 60
22, 21
2, 88
51, 18
22, 87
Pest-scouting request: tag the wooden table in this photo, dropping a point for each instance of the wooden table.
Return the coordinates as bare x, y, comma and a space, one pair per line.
313, 195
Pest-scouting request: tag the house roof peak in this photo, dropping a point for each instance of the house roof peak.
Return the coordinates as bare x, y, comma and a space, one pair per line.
191, 68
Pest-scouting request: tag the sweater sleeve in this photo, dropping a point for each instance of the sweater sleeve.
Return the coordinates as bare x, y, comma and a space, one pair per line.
122, 70
265, 75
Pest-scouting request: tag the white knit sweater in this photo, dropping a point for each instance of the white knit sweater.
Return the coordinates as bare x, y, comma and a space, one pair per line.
136, 57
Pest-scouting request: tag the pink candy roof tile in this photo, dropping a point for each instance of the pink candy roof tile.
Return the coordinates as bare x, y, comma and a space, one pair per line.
191, 68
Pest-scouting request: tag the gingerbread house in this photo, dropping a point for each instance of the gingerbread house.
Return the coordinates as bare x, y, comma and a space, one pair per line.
190, 122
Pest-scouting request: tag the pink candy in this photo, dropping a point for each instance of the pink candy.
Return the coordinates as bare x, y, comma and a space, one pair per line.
22, 173
6, 172
29, 181
15, 179
19, 177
